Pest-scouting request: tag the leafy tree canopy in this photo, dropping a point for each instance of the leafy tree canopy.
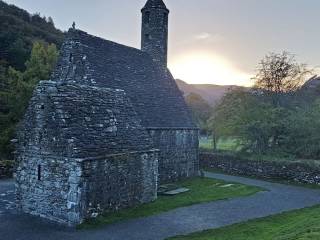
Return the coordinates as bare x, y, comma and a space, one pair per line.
17, 89
270, 118
201, 110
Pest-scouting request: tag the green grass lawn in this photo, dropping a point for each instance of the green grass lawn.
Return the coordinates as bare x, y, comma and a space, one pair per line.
297, 225
224, 144
201, 190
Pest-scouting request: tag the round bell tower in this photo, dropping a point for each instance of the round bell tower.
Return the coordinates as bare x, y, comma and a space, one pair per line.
154, 36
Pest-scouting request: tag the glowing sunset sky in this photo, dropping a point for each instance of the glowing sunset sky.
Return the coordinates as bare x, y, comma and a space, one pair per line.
210, 41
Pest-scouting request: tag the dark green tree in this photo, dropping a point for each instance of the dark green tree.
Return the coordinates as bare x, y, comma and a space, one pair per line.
17, 90
201, 110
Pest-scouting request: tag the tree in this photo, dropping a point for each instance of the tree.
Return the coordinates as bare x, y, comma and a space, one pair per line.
18, 53
19, 30
50, 20
201, 110
17, 90
258, 125
270, 118
279, 75
227, 115
15, 98
39, 66
303, 137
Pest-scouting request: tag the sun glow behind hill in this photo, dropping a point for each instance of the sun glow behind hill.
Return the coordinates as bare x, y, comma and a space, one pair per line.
203, 68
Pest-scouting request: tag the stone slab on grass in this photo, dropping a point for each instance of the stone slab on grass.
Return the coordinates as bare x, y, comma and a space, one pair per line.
227, 185
176, 191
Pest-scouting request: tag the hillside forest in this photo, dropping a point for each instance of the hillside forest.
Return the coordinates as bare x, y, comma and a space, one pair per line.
28, 53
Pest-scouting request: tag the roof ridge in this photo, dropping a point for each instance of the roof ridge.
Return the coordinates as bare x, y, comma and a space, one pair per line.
77, 33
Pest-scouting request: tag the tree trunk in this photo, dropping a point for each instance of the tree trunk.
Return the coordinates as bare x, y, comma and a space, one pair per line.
214, 142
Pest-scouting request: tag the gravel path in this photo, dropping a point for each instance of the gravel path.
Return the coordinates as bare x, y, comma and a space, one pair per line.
279, 198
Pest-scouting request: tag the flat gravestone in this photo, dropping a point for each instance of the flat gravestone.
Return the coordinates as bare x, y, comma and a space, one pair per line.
227, 185
176, 191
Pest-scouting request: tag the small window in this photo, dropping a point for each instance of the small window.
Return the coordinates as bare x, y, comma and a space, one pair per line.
147, 37
147, 17
42, 106
70, 57
39, 172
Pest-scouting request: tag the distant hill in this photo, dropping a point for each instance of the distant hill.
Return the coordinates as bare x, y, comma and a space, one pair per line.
313, 84
310, 90
213, 93
18, 30
209, 92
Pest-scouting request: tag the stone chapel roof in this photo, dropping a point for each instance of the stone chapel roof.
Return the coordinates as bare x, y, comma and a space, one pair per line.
93, 61
78, 121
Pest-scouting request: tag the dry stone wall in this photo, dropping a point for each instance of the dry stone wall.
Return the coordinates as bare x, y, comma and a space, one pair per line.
291, 171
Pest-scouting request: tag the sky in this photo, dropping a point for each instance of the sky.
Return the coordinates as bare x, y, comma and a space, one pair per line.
210, 41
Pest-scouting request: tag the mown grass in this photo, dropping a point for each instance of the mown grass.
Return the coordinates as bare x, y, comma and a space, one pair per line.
224, 144
296, 225
201, 190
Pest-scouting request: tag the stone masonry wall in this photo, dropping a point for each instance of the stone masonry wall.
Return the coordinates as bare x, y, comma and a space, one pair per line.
6, 169
50, 187
119, 181
292, 171
179, 155
66, 125
154, 34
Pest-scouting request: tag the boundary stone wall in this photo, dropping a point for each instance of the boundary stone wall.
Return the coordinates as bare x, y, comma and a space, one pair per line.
291, 171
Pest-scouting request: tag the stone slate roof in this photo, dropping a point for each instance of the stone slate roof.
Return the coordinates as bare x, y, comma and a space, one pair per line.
82, 122
155, 4
93, 61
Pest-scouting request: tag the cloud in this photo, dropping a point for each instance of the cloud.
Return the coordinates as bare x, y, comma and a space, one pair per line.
208, 37
202, 36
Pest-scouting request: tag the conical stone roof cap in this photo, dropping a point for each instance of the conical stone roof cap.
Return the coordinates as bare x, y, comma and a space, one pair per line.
155, 4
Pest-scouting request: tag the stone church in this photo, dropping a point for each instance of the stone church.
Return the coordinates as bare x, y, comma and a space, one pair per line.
107, 129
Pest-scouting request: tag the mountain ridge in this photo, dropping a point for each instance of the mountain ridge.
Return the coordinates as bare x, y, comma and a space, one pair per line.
211, 93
